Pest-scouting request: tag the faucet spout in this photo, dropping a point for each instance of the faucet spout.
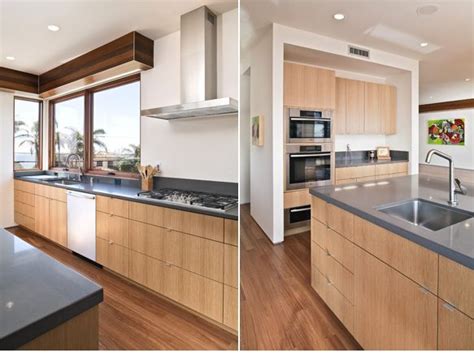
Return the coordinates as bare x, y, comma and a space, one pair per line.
452, 186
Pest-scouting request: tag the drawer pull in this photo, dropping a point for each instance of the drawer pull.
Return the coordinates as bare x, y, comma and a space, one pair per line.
111, 242
329, 283
449, 306
328, 253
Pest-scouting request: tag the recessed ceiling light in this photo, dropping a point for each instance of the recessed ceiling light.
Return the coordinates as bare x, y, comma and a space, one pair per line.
424, 44
467, 79
427, 10
11, 58
339, 16
53, 28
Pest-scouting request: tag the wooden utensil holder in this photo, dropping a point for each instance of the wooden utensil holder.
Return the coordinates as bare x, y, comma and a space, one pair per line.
147, 184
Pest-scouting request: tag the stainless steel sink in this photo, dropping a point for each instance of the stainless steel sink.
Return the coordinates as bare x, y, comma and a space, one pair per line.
425, 214
64, 182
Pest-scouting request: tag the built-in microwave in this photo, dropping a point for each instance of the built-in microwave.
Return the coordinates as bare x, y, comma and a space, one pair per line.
308, 166
305, 126
297, 217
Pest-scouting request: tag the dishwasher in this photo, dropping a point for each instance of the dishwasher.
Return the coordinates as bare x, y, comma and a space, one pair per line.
81, 226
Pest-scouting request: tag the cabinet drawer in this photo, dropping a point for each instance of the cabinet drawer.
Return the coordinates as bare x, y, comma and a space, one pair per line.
24, 186
319, 258
414, 261
231, 265
341, 221
112, 228
297, 198
355, 172
25, 209
340, 306
319, 233
113, 206
25, 221
455, 329
346, 181
112, 256
163, 278
340, 249
57, 194
456, 285
196, 224
230, 307
340, 278
391, 168
318, 209
319, 282
231, 232
25, 197
147, 214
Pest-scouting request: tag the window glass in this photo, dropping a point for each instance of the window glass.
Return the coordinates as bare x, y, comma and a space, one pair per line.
69, 133
27, 149
116, 128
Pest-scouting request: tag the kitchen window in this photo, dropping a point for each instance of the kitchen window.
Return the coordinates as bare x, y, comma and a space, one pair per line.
98, 129
27, 133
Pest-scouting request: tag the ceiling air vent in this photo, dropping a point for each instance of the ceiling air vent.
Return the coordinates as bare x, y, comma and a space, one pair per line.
359, 52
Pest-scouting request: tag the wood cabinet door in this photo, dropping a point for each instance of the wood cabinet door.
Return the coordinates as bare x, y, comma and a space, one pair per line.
355, 107
209, 227
42, 216
389, 109
231, 232
455, 329
373, 119
112, 256
58, 222
204, 257
112, 228
310, 87
231, 264
340, 113
293, 83
326, 89
391, 311
230, 307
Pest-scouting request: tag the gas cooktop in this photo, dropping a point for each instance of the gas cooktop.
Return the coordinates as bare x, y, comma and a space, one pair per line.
192, 198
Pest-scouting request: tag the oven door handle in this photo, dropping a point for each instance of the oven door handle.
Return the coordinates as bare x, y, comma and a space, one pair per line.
309, 155
301, 210
310, 119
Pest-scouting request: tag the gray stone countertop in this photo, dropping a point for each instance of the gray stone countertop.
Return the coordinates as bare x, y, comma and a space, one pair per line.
455, 242
37, 293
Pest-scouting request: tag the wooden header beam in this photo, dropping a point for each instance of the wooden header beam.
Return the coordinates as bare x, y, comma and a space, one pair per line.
13, 80
451, 105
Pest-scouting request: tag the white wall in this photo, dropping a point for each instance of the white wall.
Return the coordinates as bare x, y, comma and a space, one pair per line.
205, 148
6, 159
285, 35
261, 158
463, 155
244, 156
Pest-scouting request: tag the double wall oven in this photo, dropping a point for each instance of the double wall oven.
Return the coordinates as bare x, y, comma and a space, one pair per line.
309, 157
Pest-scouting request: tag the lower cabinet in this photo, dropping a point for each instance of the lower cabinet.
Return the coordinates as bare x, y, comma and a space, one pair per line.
42, 216
455, 329
58, 222
391, 311
112, 255
231, 299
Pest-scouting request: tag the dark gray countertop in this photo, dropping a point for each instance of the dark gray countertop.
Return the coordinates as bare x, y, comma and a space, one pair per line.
455, 242
362, 162
37, 293
131, 193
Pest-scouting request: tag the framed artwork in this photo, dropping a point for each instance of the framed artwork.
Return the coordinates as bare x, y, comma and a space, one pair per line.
383, 152
256, 124
446, 132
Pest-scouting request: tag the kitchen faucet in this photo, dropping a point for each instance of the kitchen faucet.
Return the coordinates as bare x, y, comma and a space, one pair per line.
453, 182
348, 152
77, 158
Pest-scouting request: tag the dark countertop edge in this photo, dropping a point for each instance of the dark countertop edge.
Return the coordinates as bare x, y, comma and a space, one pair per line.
38, 328
433, 246
228, 215
359, 163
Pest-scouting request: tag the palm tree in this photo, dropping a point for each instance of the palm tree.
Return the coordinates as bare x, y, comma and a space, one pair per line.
75, 141
30, 137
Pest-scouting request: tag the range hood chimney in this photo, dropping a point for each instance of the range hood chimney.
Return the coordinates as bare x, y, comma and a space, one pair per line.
198, 71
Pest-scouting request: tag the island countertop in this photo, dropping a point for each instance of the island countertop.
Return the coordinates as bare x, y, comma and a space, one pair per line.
455, 242
37, 293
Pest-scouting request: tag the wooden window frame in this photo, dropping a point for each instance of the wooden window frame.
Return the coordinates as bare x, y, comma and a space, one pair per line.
88, 95
40, 128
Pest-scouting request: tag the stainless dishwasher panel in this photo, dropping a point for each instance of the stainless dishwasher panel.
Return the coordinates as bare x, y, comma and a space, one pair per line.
81, 226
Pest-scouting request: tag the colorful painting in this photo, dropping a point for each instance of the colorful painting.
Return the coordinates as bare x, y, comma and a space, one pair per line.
257, 130
446, 132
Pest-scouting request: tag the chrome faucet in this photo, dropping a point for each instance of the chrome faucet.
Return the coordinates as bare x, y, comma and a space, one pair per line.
453, 182
348, 152
77, 159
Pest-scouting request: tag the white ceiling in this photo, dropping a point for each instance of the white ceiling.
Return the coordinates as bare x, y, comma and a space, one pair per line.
85, 25
389, 25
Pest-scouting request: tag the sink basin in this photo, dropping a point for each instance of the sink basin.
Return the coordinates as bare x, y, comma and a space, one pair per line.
425, 214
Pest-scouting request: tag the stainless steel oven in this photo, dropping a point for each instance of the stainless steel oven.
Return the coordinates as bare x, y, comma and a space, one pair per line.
305, 126
297, 217
308, 166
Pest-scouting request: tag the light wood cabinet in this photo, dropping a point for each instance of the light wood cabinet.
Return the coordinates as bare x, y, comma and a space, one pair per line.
231, 299
455, 329
196, 224
365, 107
112, 256
231, 232
391, 311
112, 228
355, 172
24, 186
113, 206
309, 87
341, 221
42, 215
203, 256
231, 263
347, 175
58, 222
297, 198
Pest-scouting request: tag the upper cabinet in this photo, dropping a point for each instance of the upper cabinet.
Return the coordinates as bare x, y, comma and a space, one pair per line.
365, 107
309, 87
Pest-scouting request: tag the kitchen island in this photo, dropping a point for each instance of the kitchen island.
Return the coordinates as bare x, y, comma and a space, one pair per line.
44, 304
392, 283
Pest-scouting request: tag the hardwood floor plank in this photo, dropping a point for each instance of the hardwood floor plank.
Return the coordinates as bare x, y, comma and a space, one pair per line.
278, 308
132, 318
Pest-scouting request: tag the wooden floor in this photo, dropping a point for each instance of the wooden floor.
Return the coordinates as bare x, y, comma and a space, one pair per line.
279, 309
133, 318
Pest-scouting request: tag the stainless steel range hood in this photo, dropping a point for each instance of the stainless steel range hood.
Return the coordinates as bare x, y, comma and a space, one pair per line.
198, 71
